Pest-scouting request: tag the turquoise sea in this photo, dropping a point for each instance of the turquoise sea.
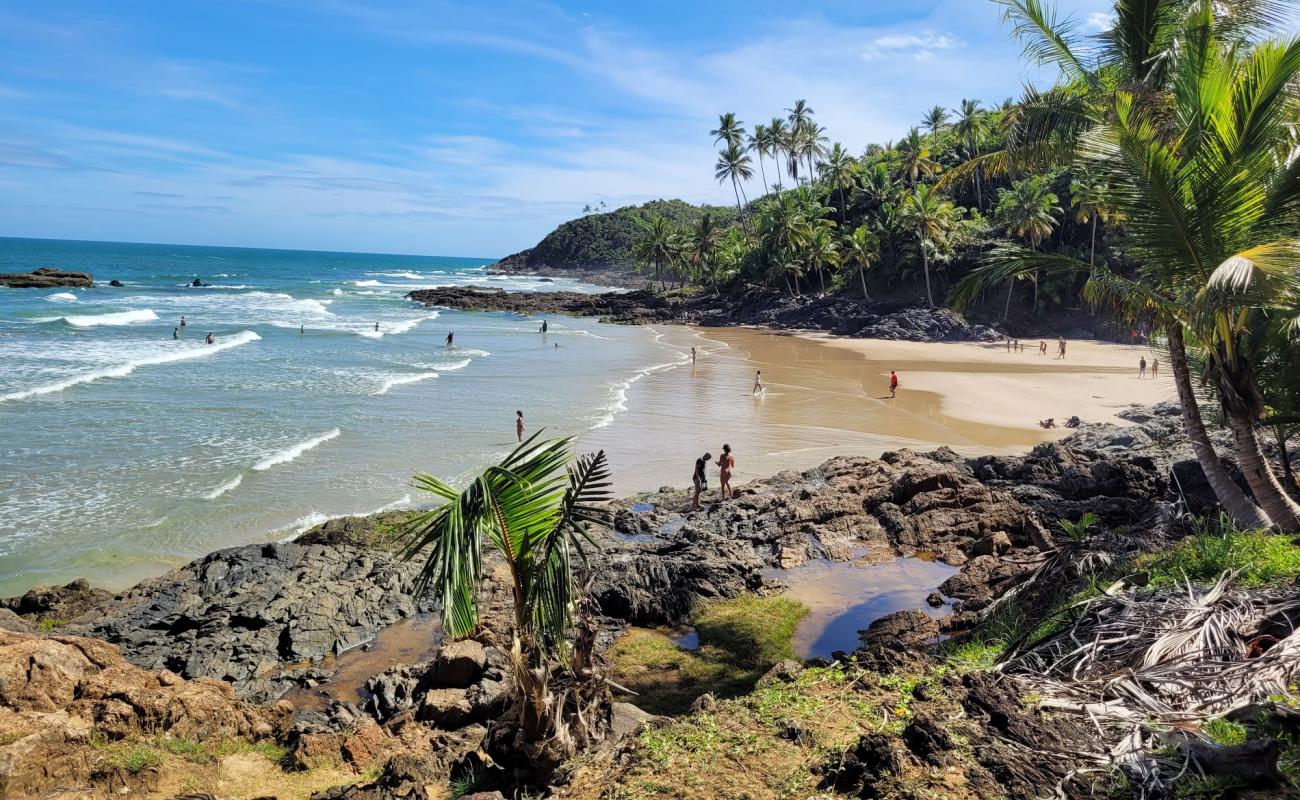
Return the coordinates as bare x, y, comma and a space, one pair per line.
124, 451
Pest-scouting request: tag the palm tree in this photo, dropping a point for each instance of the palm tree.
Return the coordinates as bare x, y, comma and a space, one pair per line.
1088, 196
791, 142
758, 144
971, 126
916, 161
777, 134
936, 119
839, 172
1210, 201
730, 130
860, 248
932, 217
802, 130
702, 243
822, 251
1028, 210
734, 165
657, 244
812, 144
534, 509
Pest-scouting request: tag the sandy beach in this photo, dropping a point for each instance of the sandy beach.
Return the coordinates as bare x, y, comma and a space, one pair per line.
826, 396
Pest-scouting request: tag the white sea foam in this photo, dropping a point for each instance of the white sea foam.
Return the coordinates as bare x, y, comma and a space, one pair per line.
174, 353
402, 380
308, 521
290, 453
117, 318
451, 367
223, 488
336, 292
366, 283
410, 276
62, 297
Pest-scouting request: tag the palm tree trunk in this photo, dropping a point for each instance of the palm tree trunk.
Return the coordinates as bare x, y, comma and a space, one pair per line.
1006, 310
1280, 508
979, 199
925, 267
1244, 512
1092, 253
740, 212
821, 276
862, 274
762, 171
841, 208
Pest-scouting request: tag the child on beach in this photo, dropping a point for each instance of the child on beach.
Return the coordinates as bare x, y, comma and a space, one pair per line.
893, 383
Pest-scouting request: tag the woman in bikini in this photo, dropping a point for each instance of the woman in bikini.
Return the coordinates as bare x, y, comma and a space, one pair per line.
726, 464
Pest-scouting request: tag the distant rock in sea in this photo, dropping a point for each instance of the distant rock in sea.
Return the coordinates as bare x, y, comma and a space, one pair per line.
46, 278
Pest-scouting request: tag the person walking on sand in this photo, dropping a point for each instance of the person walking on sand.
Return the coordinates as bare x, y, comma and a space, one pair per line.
1042, 347
451, 337
893, 383
726, 463
519, 425
699, 480
1155, 367
1142, 367
1060, 348
758, 381
1008, 344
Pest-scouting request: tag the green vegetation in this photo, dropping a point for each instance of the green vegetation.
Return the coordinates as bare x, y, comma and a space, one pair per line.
1259, 559
604, 240
136, 759
740, 639
534, 509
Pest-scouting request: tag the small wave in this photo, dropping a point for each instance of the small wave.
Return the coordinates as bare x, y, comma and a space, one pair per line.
185, 353
290, 453
452, 367
223, 488
336, 292
410, 276
366, 283
402, 380
308, 521
62, 297
117, 318
470, 351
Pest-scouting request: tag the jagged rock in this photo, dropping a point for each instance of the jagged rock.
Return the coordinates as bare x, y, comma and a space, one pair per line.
57, 603
46, 278
115, 283
445, 708
900, 630
394, 690
782, 672
626, 719
928, 740
934, 600
795, 731
459, 664
12, 622
995, 544
704, 703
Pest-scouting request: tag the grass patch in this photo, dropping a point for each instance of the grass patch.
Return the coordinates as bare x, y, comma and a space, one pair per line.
740, 639
1225, 732
1261, 559
47, 625
136, 759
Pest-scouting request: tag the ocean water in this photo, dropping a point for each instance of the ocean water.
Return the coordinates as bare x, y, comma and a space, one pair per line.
124, 451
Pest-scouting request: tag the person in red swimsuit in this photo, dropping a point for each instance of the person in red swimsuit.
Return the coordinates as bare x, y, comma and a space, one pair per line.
893, 383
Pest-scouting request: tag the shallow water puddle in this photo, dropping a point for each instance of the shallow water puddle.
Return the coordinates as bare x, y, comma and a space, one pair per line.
407, 642
845, 597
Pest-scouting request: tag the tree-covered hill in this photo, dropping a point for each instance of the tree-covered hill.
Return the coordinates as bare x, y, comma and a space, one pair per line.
604, 241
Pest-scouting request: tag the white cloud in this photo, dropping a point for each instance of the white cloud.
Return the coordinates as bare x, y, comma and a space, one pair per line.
1099, 21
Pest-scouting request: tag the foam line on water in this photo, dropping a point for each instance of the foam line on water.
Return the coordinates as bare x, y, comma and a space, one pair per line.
402, 380
116, 318
290, 453
62, 297
184, 353
223, 488
308, 521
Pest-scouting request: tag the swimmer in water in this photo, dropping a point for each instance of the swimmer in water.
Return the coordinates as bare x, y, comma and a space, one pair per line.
211, 338
176, 333
376, 327
450, 338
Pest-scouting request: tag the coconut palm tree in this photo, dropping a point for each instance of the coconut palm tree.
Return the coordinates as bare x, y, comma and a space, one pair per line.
730, 130
777, 133
758, 144
1088, 196
822, 251
701, 246
802, 130
860, 248
1210, 199
839, 172
534, 509
916, 163
932, 217
971, 127
1028, 210
734, 165
936, 119
657, 245
792, 142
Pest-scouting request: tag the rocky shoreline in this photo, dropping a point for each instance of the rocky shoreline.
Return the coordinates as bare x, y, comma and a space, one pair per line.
263, 620
839, 314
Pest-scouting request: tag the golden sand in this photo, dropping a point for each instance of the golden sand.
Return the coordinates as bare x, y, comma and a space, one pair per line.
826, 396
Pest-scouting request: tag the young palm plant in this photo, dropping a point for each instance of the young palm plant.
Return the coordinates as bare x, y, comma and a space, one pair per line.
534, 509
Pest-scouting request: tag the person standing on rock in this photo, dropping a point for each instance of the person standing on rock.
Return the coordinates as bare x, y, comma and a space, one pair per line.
1142, 367
893, 383
726, 463
699, 480
519, 425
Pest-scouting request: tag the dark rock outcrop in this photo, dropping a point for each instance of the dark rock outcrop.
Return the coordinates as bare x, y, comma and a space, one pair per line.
46, 278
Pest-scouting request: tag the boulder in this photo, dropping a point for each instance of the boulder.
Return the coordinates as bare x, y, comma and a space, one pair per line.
626, 719
995, 544
445, 708
899, 630
459, 664
46, 278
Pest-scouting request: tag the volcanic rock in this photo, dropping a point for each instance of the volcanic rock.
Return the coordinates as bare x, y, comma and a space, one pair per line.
46, 278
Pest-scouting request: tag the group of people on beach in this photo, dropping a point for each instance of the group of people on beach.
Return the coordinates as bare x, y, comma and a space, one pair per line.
1017, 346
1142, 368
211, 338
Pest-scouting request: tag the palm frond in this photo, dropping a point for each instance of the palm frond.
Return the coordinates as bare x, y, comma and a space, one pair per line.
1046, 39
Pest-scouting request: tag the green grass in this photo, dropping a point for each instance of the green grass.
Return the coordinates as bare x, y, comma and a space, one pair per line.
740, 639
1225, 732
1262, 559
137, 759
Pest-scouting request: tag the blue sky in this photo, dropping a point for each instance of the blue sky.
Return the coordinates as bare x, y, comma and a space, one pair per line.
425, 127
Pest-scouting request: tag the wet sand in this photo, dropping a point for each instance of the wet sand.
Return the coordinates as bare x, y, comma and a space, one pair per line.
827, 397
